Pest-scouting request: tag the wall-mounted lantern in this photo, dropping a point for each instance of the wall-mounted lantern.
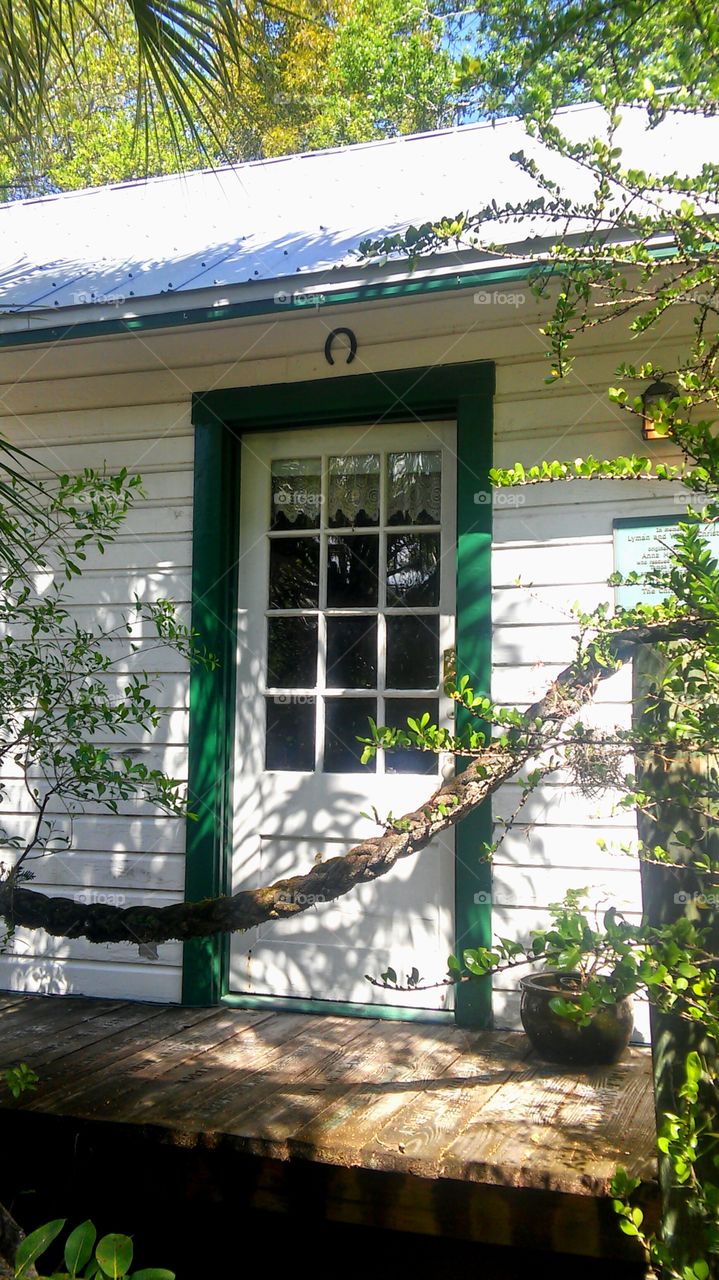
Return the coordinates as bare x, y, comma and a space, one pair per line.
653, 394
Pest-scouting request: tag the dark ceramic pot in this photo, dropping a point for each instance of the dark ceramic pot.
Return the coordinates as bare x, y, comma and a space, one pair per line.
603, 1040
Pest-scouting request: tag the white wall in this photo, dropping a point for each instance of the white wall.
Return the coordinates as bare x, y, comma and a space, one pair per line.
553, 548
126, 400
135, 856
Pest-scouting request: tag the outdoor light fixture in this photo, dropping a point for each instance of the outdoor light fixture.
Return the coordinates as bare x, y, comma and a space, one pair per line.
653, 394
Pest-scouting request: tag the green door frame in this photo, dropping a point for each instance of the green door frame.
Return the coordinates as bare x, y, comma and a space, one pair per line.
458, 391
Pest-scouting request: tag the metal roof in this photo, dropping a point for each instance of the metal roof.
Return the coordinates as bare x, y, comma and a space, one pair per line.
251, 230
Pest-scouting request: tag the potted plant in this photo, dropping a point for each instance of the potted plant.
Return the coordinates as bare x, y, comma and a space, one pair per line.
577, 1008
561, 1027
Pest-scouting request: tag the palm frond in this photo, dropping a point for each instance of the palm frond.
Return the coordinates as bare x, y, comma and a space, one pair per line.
187, 53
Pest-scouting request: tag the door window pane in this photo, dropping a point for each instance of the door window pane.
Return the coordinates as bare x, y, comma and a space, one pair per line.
296, 493
290, 733
345, 721
354, 490
292, 653
412, 652
294, 573
413, 569
352, 569
316, 570
414, 488
351, 653
410, 759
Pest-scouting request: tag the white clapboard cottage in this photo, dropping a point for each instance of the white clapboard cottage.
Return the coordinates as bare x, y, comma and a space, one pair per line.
314, 436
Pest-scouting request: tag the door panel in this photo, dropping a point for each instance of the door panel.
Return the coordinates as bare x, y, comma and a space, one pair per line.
346, 605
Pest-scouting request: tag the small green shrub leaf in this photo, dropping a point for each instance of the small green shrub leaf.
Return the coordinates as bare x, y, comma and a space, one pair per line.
35, 1244
79, 1246
153, 1273
114, 1253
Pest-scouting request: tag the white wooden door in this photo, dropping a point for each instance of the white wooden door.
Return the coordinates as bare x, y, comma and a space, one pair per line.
346, 606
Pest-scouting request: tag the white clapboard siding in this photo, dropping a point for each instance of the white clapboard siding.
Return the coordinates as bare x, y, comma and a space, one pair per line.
536, 847
158, 755
137, 855
523, 887
50, 975
531, 607
27, 943
553, 548
559, 804
126, 401
110, 832
518, 682
120, 622
16, 800
99, 587
111, 872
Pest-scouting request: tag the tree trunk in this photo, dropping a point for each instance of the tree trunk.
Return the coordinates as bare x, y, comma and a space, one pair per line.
573, 689
669, 893
11, 1235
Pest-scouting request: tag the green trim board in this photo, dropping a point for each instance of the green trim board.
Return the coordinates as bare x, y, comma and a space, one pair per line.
473, 875
212, 692
188, 316
338, 1008
463, 391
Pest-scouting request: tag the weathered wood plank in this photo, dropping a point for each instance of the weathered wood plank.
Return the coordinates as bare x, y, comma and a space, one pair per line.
24, 1028
420, 1134
82, 1037
171, 1045
8, 1000
260, 1081
182, 1068
424, 1104
549, 1128
116, 1056
348, 1125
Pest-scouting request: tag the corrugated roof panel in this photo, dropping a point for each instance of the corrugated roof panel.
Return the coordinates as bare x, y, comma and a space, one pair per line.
265, 221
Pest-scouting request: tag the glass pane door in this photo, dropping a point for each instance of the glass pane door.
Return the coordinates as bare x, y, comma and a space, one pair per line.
353, 601
346, 603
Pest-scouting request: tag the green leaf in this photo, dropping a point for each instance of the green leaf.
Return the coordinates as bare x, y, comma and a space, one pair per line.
114, 1253
35, 1244
693, 1067
153, 1273
78, 1247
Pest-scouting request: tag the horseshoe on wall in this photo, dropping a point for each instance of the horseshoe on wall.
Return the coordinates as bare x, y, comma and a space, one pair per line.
330, 339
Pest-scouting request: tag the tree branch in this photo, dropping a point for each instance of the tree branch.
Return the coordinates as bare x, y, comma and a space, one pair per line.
371, 858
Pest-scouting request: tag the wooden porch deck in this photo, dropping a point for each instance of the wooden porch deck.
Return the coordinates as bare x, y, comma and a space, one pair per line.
416, 1127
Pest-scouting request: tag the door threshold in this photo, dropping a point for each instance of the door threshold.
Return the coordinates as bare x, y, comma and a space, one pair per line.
341, 1008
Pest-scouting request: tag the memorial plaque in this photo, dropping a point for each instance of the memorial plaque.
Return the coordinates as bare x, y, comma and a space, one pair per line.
643, 544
